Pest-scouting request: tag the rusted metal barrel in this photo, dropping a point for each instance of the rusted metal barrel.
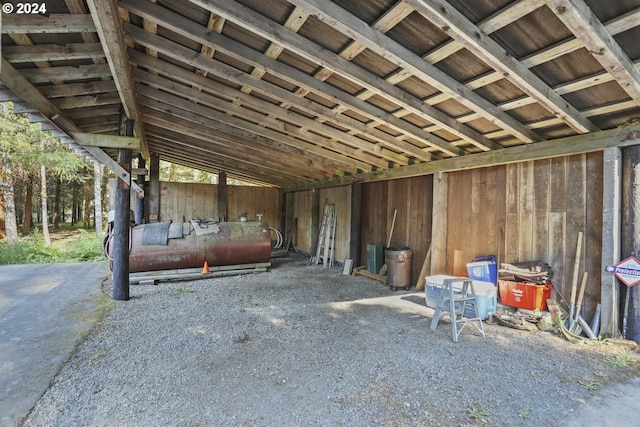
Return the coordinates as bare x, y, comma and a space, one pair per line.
398, 260
224, 243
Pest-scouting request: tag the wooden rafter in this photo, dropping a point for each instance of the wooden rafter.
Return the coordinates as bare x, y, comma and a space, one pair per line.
353, 27
486, 49
234, 49
52, 24
108, 26
254, 22
581, 21
266, 88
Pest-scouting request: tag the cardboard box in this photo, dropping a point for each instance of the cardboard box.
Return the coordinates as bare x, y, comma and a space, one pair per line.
529, 296
486, 295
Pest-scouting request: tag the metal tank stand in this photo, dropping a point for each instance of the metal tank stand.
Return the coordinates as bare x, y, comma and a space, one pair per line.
452, 303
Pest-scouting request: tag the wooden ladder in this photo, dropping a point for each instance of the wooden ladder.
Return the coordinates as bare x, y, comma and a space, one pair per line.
325, 250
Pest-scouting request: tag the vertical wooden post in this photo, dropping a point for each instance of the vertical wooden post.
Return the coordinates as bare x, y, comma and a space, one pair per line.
122, 220
287, 213
630, 238
439, 223
355, 218
315, 220
140, 180
154, 188
222, 196
611, 194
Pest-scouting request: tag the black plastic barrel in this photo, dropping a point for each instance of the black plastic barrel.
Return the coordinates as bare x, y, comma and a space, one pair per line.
398, 260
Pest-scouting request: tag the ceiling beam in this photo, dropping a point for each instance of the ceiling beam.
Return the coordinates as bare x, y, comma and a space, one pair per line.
260, 86
53, 74
18, 84
106, 141
266, 163
42, 24
108, 26
458, 27
256, 59
181, 53
351, 26
216, 121
77, 89
578, 144
582, 22
268, 118
264, 27
52, 52
84, 101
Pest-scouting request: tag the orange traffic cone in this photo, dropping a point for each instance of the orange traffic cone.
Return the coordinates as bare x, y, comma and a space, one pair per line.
205, 269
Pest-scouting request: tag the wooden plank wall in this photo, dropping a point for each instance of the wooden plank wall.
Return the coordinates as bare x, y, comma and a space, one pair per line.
413, 199
540, 207
179, 200
341, 198
302, 202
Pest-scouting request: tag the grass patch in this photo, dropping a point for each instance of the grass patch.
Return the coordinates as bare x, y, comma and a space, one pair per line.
589, 385
67, 246
525, 413
620, 360
478, 414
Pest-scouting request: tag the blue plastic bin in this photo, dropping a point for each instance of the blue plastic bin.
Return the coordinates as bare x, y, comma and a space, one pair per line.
484, 269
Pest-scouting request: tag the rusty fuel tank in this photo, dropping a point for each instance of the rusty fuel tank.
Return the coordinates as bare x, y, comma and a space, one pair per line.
220, 243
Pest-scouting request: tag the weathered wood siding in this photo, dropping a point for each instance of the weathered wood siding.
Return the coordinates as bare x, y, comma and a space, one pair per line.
540, 206
341, 198
179, 200
302, 202
413, 199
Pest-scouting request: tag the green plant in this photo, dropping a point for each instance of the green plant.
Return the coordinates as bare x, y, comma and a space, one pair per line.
478, 414
185, 290
590, 384
79, 245
620, 360
525, 413
86, 247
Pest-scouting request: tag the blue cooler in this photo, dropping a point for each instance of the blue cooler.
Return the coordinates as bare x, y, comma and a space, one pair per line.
486, 295
484, 269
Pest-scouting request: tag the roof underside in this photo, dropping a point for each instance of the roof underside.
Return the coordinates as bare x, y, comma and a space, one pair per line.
288, 93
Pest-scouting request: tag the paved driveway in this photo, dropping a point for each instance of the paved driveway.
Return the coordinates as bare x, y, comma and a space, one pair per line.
45, 310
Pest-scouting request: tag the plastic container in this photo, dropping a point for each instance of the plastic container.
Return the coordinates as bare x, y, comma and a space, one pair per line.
375, 258
529, 296
486, 295
398, 260
484, 269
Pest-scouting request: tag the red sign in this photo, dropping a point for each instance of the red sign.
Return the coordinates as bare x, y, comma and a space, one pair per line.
628, 271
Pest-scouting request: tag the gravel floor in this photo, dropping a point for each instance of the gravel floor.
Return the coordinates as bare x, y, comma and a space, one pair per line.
306, 346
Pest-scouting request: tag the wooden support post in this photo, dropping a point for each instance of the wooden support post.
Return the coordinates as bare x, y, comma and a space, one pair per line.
140, 180
315, 220
630, 239
222, 196
154, 188
439, 224
287, 216
122, 220
355, 244
610, 288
